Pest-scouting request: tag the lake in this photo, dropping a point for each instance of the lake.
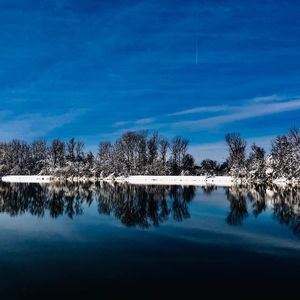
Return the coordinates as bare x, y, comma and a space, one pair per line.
126, 241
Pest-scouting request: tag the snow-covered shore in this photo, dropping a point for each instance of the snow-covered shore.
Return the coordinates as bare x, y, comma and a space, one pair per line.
182, 180
27, 179
146, 180
142, 180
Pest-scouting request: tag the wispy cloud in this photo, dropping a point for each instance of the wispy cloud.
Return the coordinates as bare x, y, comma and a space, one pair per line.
223, 114
120, 124
200, 110
138, 122
220, 108
218, 116
268, 98
30, 126
144, 121
242, 113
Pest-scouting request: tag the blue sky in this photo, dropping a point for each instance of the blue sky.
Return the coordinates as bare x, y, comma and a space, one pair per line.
94, 69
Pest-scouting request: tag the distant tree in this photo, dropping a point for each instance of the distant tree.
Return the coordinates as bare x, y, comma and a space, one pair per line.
178, 150
163, 150
188, 164
256, 164
141, 152
105, 159
89, 163
208, 167
127, 151
237, 154
222, 168
159, 166
294, 140
57, 156
71, 150
285, 156
153, 144
40, 155
79, 151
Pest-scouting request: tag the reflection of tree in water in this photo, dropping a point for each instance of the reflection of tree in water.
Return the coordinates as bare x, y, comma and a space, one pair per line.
285, 202
134, 205
257, 196
180, 196
145, 205
208, 189
238, 206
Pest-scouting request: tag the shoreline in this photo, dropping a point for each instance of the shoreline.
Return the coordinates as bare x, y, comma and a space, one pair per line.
224, 181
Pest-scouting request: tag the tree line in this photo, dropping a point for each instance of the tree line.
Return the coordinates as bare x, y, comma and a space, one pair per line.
138, 153
135, 153
283, 161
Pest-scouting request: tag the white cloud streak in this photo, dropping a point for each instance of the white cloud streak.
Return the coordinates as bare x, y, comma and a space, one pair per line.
242, 113
271, 98
223, 114
200, 110
144, 121
30, 126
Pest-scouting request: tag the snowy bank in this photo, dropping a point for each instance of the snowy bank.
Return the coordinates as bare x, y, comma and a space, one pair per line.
147, 180
182, 180
28, 179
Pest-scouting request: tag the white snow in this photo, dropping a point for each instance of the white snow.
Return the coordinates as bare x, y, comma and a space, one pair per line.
182, 180
27, 179
144, 180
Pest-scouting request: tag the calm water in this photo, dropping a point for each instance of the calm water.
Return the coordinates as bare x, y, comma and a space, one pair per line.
137, 241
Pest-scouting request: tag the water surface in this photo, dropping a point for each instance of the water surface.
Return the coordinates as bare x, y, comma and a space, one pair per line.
68, 241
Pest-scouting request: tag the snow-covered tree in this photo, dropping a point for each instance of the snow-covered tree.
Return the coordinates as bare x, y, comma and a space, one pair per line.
134, 153
57, 156
40, 155
208, 167
141, 152
105, 163
153, 163
71, 150
178, 150
188, 164
294, 141
237, 154
256, 164
163, 166
284, 161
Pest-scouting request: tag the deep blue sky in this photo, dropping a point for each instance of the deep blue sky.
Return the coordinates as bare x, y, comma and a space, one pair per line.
93, 69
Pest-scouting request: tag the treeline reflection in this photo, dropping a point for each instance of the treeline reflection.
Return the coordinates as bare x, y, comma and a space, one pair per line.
284, 203
142, 206
146, 206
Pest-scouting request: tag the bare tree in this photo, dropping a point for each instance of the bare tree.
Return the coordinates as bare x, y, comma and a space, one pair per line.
163, 151
237, 154
71, 150
256, 164
57, 154
178, 150
105, 160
